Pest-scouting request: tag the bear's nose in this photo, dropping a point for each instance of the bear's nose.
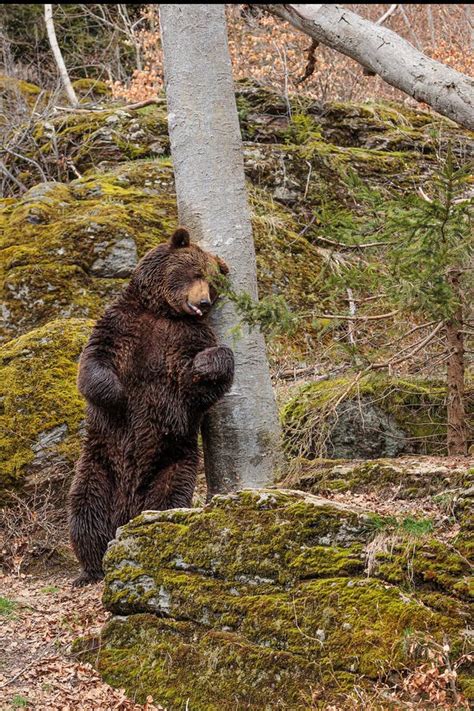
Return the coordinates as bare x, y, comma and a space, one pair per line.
204, 304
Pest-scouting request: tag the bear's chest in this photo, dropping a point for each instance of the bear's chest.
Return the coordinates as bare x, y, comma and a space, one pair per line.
164, 354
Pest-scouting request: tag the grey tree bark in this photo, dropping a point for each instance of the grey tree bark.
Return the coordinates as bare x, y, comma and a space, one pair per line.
381, 51
241, 433
58, 57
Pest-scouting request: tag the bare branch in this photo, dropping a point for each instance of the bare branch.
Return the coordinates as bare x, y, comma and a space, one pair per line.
378, 317
387, 14
396, 359
342, 246
17, 182
127, 107
384, 52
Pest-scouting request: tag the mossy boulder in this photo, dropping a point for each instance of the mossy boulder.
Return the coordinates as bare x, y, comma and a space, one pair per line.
42, 411
91, 90
261, 597
369, 418
88, 139
402, 478
67, 249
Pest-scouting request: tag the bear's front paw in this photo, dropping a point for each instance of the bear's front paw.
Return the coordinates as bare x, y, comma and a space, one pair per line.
214, 363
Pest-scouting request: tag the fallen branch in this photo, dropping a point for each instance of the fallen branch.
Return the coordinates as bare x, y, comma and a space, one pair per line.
127, 107
396, 359
342, 246
378, 317
380, 21
385, 53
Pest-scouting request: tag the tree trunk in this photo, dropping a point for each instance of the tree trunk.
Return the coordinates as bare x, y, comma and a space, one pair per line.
383, 52
241, 433
68, 88
457, 430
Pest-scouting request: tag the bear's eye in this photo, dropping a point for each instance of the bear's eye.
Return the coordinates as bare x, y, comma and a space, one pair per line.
198, 275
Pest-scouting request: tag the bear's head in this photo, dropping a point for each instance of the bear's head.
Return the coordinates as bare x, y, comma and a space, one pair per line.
178, 276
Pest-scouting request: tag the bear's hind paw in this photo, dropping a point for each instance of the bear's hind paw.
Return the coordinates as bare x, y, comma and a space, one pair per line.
87, 578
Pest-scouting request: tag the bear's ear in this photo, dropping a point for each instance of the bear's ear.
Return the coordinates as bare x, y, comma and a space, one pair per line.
180, 238
223, 268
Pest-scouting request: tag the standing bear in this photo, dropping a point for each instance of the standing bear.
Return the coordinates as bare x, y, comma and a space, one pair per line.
151, 369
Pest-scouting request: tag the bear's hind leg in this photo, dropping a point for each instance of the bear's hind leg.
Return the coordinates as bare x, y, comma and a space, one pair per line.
174, 487
89, 520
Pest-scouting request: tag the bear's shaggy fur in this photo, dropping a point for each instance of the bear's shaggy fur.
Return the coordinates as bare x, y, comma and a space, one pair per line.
149, 372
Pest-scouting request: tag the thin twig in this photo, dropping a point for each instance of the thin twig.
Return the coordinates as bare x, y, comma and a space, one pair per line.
350, 246
395, 360
378, 317
12, 177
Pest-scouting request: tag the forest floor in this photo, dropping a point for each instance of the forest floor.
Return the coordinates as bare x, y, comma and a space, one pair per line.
41, 614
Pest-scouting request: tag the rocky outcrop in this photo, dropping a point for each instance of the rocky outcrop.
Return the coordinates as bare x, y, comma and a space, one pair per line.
381, 417
42, 411
403, 478
69, 243
264, 596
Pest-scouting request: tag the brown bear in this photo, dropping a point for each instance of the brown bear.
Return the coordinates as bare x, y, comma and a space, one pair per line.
151, 369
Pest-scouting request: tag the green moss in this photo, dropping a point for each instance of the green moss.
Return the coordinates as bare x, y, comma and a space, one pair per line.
91, 88
415, 477
55, 234
271, 585
40, 397
111, 135
427, 563
418, 407
180, 662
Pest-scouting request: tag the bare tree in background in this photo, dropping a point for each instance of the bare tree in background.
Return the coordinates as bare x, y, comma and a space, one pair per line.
68, 88
241, 433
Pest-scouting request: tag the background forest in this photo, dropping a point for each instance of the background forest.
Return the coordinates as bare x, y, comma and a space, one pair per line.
361, 202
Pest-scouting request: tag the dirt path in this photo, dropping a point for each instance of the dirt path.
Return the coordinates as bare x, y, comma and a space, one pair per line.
39, 618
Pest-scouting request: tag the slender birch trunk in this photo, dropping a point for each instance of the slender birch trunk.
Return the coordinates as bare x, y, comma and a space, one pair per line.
381, 51
68, 88
241, 433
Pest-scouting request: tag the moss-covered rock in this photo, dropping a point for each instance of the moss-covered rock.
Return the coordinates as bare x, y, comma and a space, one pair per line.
264, 596
91, 89
42, 410
66, 249
399, 478
376, 416
87, 139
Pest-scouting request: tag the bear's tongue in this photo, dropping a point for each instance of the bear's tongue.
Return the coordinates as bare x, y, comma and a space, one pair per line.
195, 309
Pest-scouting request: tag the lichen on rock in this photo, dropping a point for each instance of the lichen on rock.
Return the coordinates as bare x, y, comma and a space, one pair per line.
68, 248
42, 411
272, 584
